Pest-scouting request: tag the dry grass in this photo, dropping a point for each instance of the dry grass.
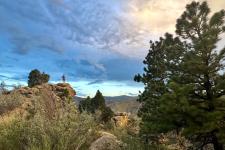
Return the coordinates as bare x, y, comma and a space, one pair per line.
8, 102
43, 122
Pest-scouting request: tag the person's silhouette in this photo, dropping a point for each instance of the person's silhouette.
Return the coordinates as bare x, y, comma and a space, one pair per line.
63, 78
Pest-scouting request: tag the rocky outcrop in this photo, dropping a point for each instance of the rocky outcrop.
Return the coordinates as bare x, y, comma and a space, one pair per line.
121, 119
107, 141
61, 90
51, 97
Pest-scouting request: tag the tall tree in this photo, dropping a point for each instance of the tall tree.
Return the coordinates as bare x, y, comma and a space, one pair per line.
85, 105
191, 79
162, 64
98, 101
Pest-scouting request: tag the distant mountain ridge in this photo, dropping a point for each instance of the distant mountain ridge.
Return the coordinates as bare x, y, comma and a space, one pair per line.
120, 98
111, 98
123, 103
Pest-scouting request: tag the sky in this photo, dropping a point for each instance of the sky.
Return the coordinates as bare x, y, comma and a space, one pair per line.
97, 44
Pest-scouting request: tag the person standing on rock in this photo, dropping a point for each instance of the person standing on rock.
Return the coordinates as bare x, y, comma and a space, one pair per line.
63, 78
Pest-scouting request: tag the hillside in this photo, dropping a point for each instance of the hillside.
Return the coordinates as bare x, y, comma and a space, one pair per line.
19, 102
45, 117
123, 104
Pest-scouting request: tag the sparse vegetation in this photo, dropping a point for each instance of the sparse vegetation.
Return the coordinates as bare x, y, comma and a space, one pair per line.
3, 89
9, 101
61, 128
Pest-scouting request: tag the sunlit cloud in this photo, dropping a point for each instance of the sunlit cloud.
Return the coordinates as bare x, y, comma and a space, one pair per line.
158, 16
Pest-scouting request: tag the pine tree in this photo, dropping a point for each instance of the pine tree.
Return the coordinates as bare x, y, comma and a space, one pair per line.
85, 105
37, 78
95, 104
106, 114
162, 64
184, 80
98, 102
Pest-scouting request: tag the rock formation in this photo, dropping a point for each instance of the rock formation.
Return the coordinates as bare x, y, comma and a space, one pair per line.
107, 141
121, 119
50, 96
58, 90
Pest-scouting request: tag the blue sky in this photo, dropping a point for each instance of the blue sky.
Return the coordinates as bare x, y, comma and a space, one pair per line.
97, 44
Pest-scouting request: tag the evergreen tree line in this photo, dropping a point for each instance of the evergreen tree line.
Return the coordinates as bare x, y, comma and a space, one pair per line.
185, 81
97, 103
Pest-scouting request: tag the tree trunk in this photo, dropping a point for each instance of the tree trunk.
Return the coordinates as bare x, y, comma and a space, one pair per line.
216, 144
208, 88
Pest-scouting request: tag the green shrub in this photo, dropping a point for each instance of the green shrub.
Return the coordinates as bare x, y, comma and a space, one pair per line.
106, 114
37, 78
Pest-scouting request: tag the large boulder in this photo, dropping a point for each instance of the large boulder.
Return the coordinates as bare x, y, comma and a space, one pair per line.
61, 87
107, 141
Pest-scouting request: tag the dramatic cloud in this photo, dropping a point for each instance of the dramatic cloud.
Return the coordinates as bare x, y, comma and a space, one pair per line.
58, 25
94, 42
